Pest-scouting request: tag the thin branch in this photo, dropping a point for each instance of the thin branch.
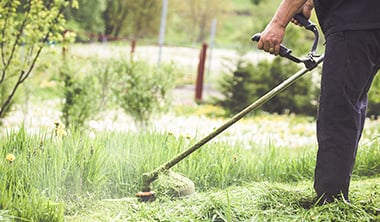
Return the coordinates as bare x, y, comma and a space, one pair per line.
3, 33
3, 36
8, 100
23, 75
41, 47
18, 37
28, 55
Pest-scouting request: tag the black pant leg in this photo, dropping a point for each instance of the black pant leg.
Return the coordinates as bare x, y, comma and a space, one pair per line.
351, 61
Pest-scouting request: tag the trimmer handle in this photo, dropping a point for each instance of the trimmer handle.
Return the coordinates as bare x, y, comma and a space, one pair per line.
304, 22
283, 50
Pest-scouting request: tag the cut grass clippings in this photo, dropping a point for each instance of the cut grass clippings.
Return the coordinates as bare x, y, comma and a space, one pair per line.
259, 201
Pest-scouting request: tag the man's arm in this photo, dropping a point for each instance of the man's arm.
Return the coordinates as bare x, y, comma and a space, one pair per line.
305, 10
273, 34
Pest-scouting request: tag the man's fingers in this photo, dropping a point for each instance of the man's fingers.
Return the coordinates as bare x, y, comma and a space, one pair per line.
271, 50
269, 46
277, 49
295, 21
260, 45
265, 45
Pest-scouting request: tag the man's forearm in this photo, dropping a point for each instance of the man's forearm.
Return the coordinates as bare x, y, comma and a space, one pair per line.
309, 4
286, 11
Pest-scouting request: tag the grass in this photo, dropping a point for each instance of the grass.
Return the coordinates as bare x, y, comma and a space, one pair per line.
259, 201
86, 175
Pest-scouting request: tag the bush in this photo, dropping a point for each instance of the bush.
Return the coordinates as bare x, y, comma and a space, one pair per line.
86, 89
249, 82
81, 99
142, 90
235, 90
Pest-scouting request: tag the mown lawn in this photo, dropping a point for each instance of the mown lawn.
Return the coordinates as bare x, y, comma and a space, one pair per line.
258, 201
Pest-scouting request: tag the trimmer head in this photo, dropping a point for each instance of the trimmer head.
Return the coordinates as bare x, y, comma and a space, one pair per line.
168, 184
147, 196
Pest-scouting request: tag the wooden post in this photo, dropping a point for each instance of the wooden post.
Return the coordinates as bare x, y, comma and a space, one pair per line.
133, 46
200, 74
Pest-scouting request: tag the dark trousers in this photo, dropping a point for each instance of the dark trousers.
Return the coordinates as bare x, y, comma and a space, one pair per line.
352, 58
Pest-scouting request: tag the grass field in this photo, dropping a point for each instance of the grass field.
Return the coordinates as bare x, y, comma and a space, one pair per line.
84, 177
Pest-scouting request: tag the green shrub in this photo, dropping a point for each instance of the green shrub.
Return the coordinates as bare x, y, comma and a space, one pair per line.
90, 87
142, 90
249, 82
235, 91
80, 91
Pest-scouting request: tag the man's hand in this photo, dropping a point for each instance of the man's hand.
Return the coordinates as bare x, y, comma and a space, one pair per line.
273, 34
271, 38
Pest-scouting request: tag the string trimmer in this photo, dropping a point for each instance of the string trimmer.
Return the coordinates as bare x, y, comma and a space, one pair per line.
310, 62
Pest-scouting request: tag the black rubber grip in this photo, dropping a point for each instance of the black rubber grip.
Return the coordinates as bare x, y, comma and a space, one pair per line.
304, 21
283, 50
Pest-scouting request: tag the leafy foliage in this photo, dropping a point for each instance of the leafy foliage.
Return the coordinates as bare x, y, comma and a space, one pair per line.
142, 90
195, 17
80, 98
114, 19
25, 31
117, 19
249, 82
87, 16
86, 88
145, 15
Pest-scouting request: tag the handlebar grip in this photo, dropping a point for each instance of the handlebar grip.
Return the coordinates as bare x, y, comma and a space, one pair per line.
304, 21
256, 37
284, 52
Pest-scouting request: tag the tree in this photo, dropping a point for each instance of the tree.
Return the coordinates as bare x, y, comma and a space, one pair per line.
196, 16
135, 19
146, 17
114, 15
87, 16
25, 31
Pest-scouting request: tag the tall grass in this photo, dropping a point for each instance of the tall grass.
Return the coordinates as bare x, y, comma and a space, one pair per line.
49, 171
